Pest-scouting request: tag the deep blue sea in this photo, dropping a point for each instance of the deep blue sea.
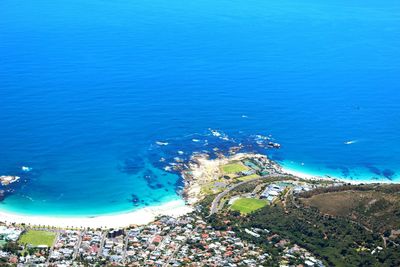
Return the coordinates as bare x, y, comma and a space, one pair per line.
88, 87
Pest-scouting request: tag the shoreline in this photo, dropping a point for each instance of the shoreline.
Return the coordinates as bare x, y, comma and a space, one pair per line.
174, 208
308, 176
201, 170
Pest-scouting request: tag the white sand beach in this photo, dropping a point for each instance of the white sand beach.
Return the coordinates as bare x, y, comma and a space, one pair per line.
307, 176
301, 174
174, 208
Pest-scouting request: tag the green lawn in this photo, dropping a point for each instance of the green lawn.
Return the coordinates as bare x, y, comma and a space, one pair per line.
37, 238
248, 177
248, 205
234, 168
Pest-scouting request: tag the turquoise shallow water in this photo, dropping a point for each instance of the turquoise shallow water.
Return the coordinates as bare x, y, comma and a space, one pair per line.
87, 88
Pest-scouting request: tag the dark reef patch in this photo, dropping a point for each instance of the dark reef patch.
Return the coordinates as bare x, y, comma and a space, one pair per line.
152, 180
388, 173
2, 195
132, 165
344, 170
179, 184
374, 169
135, 200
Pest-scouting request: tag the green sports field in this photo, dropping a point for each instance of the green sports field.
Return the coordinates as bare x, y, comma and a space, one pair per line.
248, 205
37, 238
234, 168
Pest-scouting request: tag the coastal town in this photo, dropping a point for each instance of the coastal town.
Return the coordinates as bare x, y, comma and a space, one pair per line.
199, 133
222, 192
185, 241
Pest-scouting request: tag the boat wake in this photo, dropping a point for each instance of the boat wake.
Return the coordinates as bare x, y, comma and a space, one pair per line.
350, 142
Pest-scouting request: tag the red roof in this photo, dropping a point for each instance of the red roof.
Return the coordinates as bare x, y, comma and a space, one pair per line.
94, 249
157, 239
228, 253
86, 238
204, 236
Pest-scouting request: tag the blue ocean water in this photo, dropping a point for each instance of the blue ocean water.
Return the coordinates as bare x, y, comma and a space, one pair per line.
88, 87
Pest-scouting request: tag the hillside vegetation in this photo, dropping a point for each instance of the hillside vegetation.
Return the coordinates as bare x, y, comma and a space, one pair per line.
375, 207
343, 226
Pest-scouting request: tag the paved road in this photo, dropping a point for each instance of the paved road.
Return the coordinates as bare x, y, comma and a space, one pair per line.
126, 241
76, 249
103, 239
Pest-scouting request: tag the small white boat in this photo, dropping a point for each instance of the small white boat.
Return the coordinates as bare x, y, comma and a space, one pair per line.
350, 142
162, 143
